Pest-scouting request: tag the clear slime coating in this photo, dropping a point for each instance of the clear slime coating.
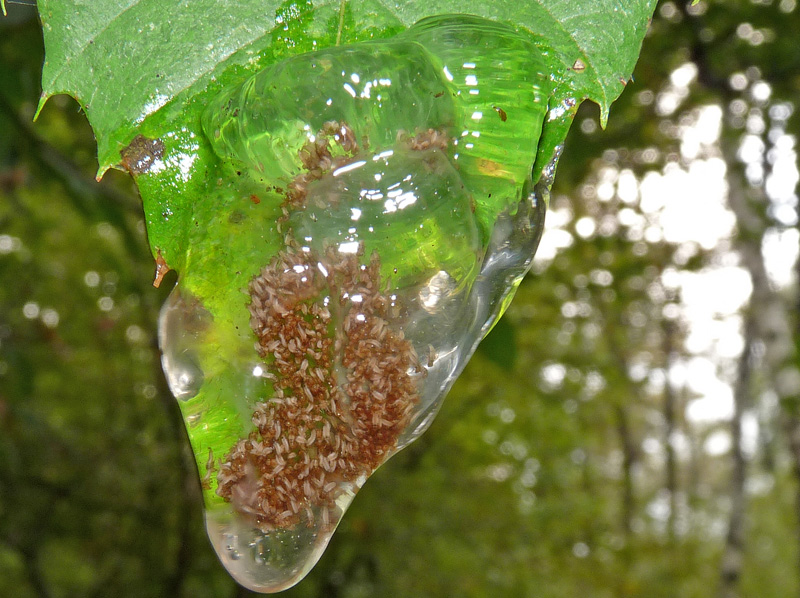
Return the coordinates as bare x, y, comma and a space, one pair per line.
378, 88
408, 206
404, 216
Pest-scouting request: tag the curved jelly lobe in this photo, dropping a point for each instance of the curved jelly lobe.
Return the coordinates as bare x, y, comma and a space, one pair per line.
394, 184
379, 89
410, 206
501, 89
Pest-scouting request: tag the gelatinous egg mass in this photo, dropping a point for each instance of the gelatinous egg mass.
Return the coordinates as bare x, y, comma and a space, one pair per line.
394, 179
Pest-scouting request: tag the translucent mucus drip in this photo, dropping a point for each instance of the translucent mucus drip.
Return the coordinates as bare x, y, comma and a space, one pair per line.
407, 216
181, 327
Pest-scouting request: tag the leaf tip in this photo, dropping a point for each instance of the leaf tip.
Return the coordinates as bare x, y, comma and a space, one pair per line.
101, 171
604, 110
3, 6
42, 101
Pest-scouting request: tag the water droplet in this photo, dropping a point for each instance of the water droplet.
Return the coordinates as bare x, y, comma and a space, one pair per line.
181, 326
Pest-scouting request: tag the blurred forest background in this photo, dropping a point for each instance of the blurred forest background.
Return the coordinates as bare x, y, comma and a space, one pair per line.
630, 428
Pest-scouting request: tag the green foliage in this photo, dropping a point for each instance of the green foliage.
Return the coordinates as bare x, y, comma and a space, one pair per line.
126, 61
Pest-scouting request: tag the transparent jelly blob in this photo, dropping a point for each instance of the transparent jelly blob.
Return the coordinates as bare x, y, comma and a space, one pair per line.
501, 96
379, 89
409, 206
397, 190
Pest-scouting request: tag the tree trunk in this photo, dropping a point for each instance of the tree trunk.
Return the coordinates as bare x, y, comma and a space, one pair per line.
733, 555
628, 462
768, 319
669, 330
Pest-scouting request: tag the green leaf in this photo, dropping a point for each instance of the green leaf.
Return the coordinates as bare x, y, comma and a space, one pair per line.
125, 60
500, 345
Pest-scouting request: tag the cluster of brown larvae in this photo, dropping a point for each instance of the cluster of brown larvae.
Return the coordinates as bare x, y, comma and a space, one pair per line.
344, 387
318, 159
345, 382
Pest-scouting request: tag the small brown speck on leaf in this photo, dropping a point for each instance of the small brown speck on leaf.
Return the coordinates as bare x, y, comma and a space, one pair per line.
139, 156
161, 269
501, 112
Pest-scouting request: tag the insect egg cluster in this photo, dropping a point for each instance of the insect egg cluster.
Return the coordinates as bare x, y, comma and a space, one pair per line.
392, 213
344, 385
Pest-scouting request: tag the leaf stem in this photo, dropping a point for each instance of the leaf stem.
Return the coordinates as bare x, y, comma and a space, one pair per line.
342, 5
